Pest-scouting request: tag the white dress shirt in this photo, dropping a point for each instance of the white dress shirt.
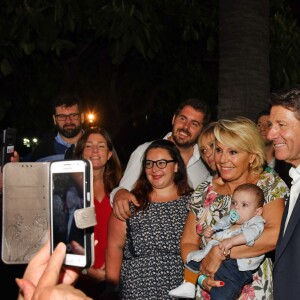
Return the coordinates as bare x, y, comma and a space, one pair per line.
197, 172
294, 191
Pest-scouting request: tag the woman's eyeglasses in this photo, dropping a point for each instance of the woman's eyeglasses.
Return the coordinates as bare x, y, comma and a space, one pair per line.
161, 164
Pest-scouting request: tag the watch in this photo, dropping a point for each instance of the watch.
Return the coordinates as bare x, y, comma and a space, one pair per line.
227, 255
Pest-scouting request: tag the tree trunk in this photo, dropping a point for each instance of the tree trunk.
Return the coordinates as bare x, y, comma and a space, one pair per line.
244, 79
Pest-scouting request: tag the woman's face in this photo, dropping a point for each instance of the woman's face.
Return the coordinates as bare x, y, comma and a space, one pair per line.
232, 163
96, 150
206, 146
160, 178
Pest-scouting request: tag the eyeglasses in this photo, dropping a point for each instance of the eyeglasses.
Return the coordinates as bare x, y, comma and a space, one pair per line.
161, 164
72, 117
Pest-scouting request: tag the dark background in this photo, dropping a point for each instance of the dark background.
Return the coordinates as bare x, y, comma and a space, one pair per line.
132, 65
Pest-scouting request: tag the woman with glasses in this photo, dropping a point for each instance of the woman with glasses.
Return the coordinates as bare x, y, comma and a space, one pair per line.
143, 253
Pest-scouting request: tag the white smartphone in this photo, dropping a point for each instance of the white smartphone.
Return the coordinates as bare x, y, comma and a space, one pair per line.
71, 189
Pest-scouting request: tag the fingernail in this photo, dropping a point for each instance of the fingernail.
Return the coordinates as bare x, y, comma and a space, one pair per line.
222, 283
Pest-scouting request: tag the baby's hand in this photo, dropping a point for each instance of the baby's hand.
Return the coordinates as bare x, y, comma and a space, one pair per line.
208, 232
225, 245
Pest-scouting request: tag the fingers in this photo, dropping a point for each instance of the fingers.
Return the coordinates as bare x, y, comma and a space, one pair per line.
121, 209
52, 270
27, 289
77, 248
209, 282
16, 157
133, 200
37, 264
121, 204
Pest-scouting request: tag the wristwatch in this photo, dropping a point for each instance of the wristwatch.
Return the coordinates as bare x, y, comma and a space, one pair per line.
227, 255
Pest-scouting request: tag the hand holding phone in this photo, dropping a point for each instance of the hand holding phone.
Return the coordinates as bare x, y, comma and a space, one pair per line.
8, 145
71, 190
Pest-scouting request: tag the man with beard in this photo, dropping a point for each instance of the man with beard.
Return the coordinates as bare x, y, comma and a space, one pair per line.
68, 119
188, 121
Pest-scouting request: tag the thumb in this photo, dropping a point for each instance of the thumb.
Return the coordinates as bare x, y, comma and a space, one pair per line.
133, 200
27, 289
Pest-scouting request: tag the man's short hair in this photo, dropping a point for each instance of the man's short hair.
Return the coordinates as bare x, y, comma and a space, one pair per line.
67, 100
288, 98
197, 104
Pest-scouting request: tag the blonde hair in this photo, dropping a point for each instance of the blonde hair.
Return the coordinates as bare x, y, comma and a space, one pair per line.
241, 133
207, 131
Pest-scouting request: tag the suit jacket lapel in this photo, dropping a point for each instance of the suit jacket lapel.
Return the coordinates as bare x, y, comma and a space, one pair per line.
283, 239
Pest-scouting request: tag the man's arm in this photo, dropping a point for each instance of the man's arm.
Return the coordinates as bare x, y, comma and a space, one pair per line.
132, 171
121, 196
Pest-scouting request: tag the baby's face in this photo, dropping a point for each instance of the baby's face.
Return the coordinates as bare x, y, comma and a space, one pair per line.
245, 204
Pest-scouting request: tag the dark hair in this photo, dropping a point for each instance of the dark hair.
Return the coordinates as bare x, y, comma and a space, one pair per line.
288, 98
143, 188
254, 189
113, 170
197, 104
67, 100
264, 112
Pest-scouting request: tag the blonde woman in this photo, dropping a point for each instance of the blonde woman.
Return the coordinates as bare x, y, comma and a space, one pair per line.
239, 157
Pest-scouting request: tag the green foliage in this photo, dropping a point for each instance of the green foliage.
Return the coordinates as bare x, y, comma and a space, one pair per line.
121, 51
127, 59
284, 46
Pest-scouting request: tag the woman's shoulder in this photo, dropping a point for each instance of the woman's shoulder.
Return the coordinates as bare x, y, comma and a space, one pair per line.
273, 186
203, 185
270, 177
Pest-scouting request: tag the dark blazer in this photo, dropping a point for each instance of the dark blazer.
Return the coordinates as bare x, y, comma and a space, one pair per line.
286, 270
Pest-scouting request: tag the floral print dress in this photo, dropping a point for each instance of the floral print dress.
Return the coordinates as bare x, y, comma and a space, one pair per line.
209, 207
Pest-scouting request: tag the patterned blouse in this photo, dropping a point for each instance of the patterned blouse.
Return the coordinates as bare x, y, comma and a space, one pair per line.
209, 207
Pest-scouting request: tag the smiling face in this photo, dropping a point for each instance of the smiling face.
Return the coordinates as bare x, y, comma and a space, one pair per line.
263, 128
96, 150
246, 204
206, 147
187, 126
161, 178
284, 133
232, 163
68, 128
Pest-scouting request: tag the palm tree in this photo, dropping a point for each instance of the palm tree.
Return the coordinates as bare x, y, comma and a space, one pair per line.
244, 79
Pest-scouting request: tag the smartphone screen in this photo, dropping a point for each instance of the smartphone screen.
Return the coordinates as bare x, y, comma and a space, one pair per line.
8, 145
68, 193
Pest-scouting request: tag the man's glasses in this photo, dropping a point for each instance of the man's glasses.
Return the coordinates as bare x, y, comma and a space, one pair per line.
161, 164
72, 117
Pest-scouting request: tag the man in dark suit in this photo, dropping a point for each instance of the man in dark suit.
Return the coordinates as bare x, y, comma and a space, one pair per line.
285, 134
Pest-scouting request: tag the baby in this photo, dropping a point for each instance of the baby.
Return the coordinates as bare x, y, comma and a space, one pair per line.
242, 226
